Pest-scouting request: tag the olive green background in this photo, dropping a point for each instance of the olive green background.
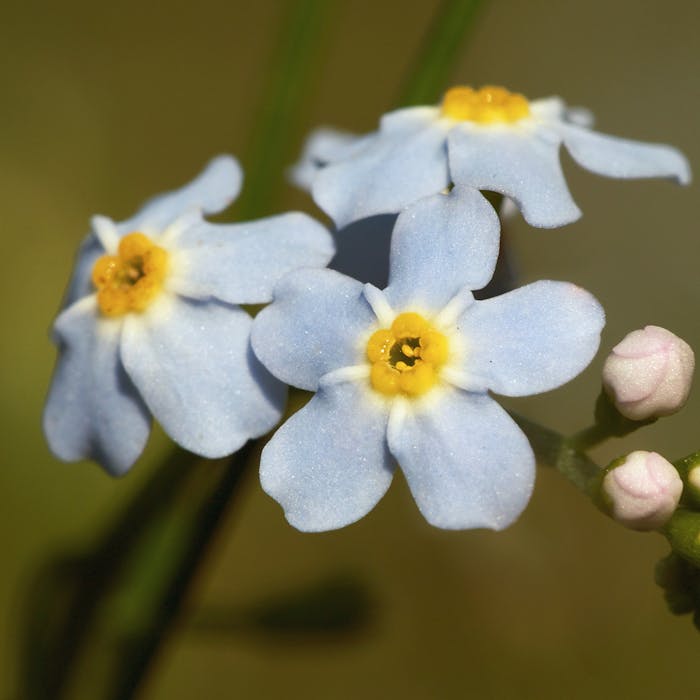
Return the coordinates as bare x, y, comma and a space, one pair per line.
105, 104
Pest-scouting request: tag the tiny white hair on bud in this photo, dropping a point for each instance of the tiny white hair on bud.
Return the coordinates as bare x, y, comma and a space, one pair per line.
649, 373
642, 491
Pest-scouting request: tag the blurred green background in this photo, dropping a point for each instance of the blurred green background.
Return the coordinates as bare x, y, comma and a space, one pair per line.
104, 105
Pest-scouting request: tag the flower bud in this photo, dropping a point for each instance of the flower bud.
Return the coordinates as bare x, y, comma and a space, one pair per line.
642, 490
649, 373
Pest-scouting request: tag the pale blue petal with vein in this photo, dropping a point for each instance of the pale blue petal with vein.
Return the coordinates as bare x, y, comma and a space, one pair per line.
93, 411
441, 245
517, 163
467, 463
329, 465
193, 365
406, 162
241, 263
622, 158
211, 192
530, 340
318, 322
323, 146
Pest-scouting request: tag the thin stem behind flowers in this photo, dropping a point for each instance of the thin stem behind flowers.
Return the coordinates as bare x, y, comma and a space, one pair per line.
443, 41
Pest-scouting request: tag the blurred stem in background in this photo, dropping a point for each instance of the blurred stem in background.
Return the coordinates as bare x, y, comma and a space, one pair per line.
431, 70
290, 82
95, 622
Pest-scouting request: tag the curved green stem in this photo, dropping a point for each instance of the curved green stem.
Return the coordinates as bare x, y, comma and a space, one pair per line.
589, 437
609, 423
554, 450
290, 82
433, 64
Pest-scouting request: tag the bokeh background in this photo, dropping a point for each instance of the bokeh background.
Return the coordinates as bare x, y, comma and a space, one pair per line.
105, 104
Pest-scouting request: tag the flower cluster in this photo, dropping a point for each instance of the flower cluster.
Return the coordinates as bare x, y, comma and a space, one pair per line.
403, 376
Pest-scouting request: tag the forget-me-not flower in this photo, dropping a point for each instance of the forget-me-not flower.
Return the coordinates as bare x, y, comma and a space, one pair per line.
403, 375
151, 325
489, 139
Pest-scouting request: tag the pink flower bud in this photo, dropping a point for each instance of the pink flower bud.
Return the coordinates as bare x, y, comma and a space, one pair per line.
649, 373
643, 491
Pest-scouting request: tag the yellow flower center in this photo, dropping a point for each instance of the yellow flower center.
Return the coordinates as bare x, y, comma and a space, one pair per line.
487, 105
407, 357
130, 280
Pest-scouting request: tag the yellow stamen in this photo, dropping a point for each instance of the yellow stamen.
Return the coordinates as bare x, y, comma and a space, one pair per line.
487, 105
407, 357
130, 280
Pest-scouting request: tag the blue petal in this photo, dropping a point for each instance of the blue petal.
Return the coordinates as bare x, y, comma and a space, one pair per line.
405, 162
93, 411
466, 462
616, 157
211, 192
80, 284
192, 363
440, 245
319, 321
519, 163
323, 146
241, 263
328, 465
530, 340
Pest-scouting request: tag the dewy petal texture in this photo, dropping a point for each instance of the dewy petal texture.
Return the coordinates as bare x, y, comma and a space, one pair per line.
211, 192
241, 263
439, 246
192, 363
328, 465
80, 284
93, 410
622, 158
323, 146
318, 322
466, 462
518, 164
530, 340
408, 162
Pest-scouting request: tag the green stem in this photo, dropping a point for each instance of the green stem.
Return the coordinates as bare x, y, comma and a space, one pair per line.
67, 595
278, 122
591, 436
445, 37
196, 543
609, 423
554, 450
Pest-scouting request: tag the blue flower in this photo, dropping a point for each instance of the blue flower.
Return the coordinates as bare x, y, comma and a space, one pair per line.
151, 326
403, 375
489, 139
